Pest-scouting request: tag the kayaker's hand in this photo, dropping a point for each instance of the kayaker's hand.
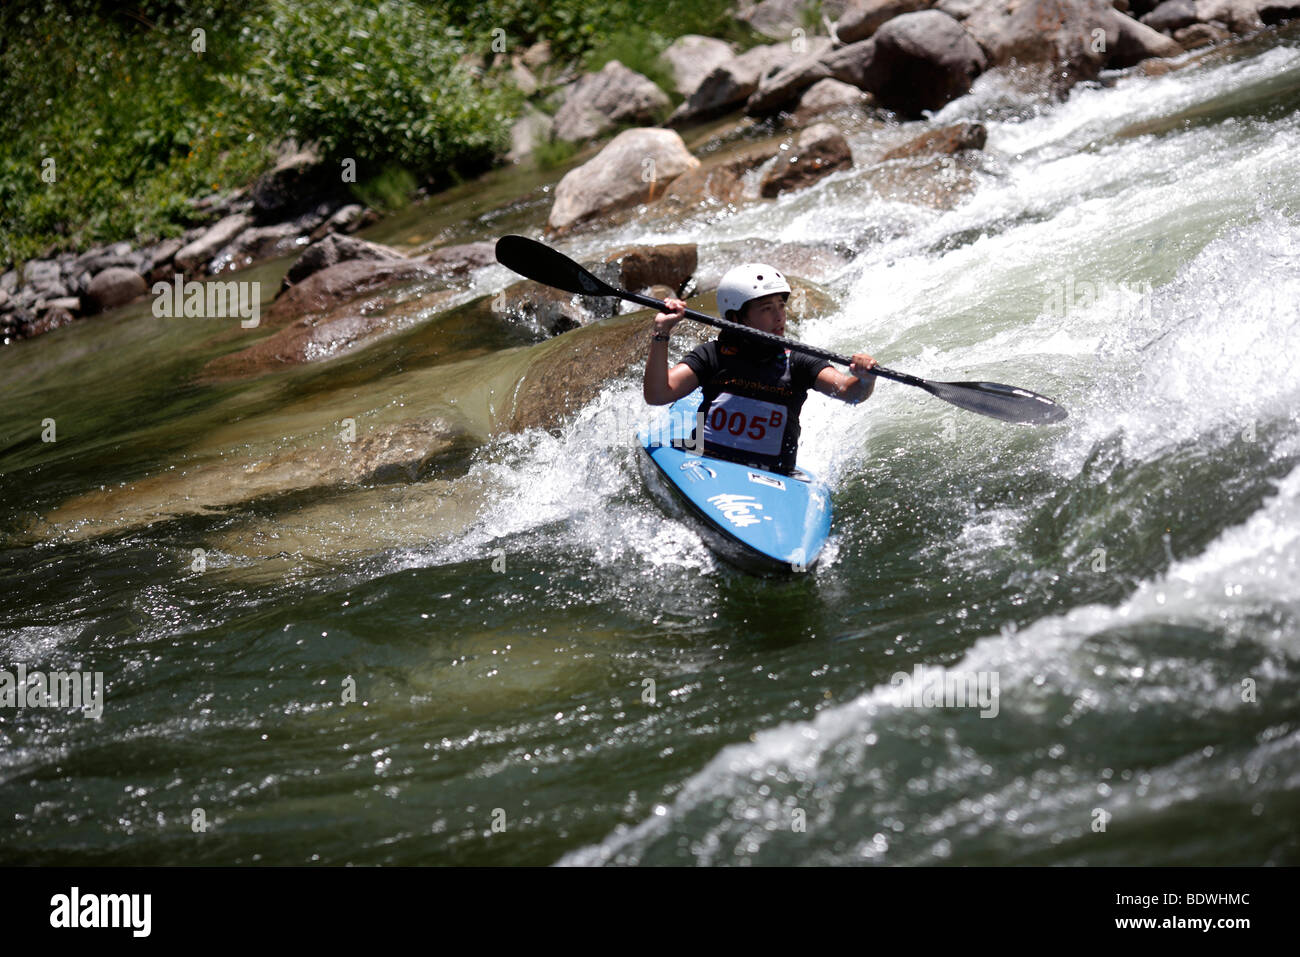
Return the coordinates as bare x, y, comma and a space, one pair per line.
861, 364
665, 321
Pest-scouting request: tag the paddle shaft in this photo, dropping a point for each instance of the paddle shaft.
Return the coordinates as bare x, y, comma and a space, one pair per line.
767, 337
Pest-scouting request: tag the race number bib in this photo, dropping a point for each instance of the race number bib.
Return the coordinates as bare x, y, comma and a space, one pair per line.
746, 424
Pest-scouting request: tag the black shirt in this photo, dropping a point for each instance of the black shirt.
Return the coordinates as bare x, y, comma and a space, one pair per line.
753, 394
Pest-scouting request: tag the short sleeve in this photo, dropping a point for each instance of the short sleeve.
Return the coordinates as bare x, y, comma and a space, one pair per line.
807, 368
703, 361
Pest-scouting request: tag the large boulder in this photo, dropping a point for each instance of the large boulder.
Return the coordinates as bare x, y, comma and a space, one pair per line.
777, 19
818, 151
112, 288
633, 168
862, 18
600, 101
692, 57
922, 61
732, 83
332, 250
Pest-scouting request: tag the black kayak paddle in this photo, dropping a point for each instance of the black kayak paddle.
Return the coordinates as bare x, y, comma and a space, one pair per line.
541, 263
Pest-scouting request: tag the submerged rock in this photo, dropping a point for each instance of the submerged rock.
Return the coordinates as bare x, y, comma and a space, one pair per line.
817, 152
332, 250
337, 284
946, 140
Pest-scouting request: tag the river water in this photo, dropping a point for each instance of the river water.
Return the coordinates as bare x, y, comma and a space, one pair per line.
520, 660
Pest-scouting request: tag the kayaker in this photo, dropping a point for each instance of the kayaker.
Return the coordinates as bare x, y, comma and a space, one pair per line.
753, 390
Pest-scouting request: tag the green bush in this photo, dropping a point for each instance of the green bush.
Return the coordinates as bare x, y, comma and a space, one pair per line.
379, 82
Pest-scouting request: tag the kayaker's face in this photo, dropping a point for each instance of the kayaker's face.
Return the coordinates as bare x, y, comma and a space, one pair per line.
766, 314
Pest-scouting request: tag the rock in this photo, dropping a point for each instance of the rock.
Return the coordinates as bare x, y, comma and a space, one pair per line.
644, 266
862, 18
337, 284
947, 140
1201, 34
600, 101
550, 312
825, 96
297, 183
783, 87
1054, 34
9, 281
1131, 42
566, 373
537, 55
69, 304
455, 261
532, 127
691, 58
939, 182
732, 83
922, 61
198, 252
522, 77
46, 322
779, 19
260, 242
112, 288
334, 249
161, 255
1240, 16
110, 259
634, 167
849, 64
42, 274
713, 182
1171, 15
1273, 12
312, 338
818, 151
345, 219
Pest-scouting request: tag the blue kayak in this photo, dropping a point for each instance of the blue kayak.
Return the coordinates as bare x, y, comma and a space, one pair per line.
761, 521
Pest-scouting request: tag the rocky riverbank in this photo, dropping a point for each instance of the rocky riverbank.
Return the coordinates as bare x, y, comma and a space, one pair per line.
883, 61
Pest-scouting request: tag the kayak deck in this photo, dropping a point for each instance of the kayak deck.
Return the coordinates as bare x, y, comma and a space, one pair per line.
760, 521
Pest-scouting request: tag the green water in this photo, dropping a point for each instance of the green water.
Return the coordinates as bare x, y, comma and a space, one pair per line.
517, 659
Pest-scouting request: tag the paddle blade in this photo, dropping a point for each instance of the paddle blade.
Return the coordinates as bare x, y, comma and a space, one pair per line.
1005, 402
541, 263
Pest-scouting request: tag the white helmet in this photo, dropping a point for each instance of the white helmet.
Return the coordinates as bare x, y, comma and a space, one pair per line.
750, 281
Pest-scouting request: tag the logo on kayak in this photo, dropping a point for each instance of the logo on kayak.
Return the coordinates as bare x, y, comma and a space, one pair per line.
766, 480
696, 470
737, 509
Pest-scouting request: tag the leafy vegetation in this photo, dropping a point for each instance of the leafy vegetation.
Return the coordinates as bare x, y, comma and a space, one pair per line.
117, 116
